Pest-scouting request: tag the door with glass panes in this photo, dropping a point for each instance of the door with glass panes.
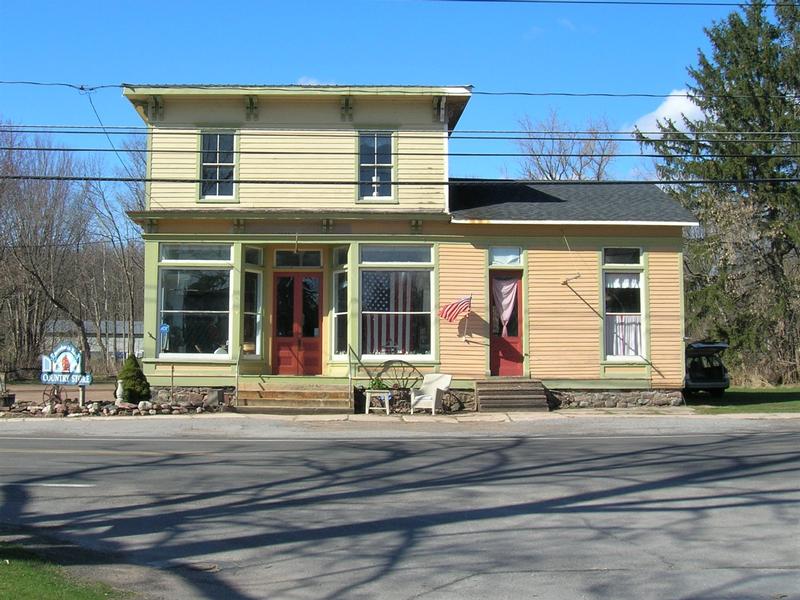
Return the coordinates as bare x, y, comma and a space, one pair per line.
297, 342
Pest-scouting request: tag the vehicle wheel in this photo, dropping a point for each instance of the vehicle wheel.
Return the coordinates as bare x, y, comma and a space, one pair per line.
716, 393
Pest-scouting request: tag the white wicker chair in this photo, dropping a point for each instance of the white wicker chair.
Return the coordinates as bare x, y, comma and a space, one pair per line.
431, 392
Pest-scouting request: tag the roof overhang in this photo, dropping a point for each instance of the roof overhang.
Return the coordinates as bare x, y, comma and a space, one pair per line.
456, 97
142, 217
573, 222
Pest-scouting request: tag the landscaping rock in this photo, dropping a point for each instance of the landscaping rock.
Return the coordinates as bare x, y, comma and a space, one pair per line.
145, 405
125, 405
152, 411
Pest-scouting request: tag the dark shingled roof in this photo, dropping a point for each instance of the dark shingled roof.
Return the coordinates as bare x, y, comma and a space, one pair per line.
504, 200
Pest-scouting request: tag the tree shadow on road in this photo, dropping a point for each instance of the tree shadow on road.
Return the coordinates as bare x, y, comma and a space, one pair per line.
341, 519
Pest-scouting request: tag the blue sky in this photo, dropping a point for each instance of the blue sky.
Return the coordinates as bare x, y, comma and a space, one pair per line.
493, 46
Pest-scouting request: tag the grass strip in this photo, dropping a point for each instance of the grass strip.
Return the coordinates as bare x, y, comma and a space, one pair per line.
27, 576
749, 400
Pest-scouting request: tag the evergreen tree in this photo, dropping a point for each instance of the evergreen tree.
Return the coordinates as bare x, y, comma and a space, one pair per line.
135, 386
743, 269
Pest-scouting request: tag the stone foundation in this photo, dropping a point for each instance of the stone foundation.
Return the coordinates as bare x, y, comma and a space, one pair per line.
192, 396
613, 398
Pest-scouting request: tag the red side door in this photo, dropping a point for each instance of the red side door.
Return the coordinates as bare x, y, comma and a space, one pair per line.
297, 341
505, 342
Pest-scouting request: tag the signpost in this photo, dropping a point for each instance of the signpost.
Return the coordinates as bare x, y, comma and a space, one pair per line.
65, 367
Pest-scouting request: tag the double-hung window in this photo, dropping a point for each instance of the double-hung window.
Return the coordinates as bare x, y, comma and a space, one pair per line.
396, 300
340, 301
195, 299
217, 165
622, 284
375, 165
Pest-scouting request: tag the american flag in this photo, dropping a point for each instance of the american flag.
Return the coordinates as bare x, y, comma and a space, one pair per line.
387, 293
451, 311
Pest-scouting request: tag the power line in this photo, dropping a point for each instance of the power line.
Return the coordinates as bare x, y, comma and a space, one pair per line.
476, 135
432, 183
407, 154
83, 88
616, 2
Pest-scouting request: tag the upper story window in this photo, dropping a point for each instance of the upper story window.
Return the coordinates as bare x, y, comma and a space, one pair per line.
375, 164
217, 165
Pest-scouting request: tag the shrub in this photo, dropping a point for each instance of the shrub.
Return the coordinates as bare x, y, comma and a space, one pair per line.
135, 387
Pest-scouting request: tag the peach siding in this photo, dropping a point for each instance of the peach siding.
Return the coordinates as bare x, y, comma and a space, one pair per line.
666, 325
462, 270
564, 322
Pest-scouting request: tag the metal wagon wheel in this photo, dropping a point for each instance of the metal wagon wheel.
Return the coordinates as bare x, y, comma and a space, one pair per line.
52, 394
400, 374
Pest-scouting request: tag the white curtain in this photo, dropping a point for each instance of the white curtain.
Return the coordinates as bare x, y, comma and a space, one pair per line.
504, 292
622, 280
624, 335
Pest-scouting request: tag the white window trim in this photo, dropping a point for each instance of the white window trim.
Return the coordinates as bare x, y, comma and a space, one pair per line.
160, 354
391, 198
338, 357
230, 164
259, 313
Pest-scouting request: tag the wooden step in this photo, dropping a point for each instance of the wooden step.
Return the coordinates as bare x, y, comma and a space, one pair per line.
507, 394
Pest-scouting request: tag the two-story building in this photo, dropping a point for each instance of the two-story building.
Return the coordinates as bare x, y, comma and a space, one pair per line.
292, 230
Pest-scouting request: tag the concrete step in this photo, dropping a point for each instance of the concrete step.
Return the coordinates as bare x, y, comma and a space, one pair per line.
291, 410
304, 403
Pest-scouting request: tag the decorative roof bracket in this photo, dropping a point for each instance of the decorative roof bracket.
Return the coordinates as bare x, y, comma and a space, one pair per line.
347, 108
440, 109
251, 108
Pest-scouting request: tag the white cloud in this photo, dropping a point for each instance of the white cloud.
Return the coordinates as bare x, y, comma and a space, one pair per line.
306, 80
567, 24
671, 108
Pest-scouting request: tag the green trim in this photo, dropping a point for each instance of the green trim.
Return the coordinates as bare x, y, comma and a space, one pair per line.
148, 168
150, 315
643, 269
436, 341
683, 313
199, 166
237, 316
353, 304
597, 384
527, 367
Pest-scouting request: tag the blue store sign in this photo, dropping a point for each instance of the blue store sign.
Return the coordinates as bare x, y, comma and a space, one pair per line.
64, 367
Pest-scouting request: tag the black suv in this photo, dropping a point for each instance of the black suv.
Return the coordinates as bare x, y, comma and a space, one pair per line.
704, 368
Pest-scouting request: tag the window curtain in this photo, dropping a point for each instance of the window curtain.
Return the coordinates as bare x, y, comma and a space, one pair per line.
504, 292
622, 280
624, 335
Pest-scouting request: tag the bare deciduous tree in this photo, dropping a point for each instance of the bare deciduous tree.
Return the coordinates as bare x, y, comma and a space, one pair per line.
556, 151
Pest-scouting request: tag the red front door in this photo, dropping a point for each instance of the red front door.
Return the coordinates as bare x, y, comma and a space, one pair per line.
297, 345
505, 341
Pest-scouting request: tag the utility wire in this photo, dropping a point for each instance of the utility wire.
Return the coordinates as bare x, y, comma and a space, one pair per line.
334, 182
399, 92
488, 135
615, 2
402, 154
108, 137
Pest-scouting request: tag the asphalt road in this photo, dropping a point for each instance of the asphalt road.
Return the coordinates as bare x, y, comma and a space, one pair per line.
589, 508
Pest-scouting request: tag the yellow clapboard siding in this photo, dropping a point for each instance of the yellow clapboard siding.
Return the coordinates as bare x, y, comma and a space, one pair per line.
666, 325
174, 156
462, 270
564, 323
